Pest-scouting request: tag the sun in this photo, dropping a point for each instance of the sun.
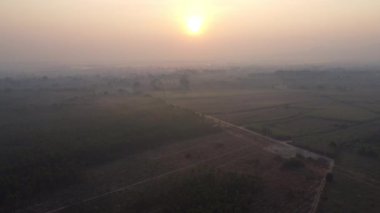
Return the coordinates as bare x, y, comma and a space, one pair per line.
195, 24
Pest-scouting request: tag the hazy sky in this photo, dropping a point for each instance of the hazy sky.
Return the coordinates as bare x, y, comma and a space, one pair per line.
155, 31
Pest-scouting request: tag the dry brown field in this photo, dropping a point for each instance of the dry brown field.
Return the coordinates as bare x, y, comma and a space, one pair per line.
234, 151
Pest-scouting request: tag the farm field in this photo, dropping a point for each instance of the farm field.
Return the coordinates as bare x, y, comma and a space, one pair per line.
50, 139
112, 145
341, 124
91, 151
189, 106
284, 178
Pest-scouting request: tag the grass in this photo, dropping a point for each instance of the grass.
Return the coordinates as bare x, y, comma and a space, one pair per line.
339, 136
296, 127
270, 130
346, 194
276, 113
345, 113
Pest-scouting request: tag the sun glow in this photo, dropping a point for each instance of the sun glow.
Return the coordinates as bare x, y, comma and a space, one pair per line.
195, 17
195, 25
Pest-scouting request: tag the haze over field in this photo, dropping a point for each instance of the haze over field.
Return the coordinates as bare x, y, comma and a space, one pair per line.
166, 106
168, 31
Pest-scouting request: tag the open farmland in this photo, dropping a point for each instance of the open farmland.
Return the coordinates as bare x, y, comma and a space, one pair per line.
93, 149
112, 145
189, 106
49, 139
338, 118
281, 177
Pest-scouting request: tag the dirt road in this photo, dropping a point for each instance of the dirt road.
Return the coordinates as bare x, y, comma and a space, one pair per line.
282, 148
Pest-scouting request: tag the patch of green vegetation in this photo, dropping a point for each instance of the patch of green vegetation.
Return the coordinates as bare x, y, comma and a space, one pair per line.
271, 114
300, 127
341, 138
270, 131
344, 113
304, 126
346, 190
